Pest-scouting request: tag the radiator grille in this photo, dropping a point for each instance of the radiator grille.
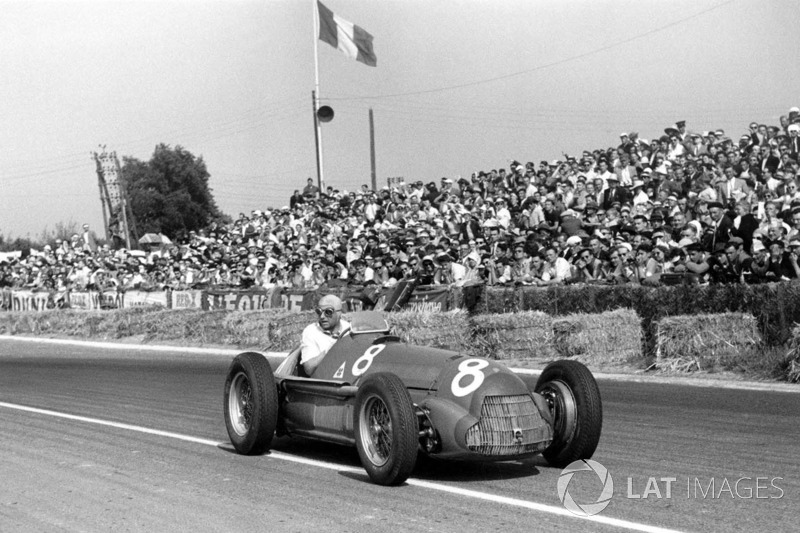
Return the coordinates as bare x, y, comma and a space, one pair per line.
509, 425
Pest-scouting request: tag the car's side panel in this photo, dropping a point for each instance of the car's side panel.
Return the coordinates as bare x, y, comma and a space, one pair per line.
321, 416
356, 356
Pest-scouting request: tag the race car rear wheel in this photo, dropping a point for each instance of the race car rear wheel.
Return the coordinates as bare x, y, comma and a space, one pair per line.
251, 404
572, 394
386, 427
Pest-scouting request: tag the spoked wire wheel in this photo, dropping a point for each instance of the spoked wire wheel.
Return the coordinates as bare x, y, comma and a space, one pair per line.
377, 435
386, 428
251, 403
240, 404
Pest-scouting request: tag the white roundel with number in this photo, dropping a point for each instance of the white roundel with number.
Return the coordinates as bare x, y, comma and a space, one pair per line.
363, 363
469, 378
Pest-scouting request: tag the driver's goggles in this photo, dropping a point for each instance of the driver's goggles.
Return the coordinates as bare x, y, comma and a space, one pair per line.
327, 312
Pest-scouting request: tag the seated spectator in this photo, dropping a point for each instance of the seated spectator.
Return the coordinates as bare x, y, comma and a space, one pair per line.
448, 271
586, 268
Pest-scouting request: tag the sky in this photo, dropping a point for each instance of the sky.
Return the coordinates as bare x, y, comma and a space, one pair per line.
460, 86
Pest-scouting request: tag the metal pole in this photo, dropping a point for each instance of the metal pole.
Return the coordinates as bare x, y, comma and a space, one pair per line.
316, 140
372, 150
123, 192
100, 183
315, 95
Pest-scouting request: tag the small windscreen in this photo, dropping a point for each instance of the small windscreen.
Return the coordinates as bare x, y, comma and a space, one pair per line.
368, 322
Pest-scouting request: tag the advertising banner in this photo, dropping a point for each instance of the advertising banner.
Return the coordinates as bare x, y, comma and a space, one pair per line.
429, 298
296, 300
214, 299
30, 301
145, 298
85, 301
186, 299
110, 299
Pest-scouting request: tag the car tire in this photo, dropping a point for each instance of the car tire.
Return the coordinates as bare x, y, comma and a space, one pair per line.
386, 429
574, 400
251, 404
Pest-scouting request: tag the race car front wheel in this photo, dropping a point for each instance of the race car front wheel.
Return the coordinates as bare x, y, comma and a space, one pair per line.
387, 432
251, 404
573, 397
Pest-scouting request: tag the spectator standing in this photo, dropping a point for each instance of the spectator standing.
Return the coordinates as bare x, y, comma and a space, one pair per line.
614, 193
310, 191
731, 188
722, 225
744, 225
88, 239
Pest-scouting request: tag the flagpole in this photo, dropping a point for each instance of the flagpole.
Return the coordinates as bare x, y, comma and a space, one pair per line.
317, 128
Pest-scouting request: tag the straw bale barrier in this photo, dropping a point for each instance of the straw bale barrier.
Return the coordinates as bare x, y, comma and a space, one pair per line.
791, 363
610, 337
705, 342
449, 330
193, 326
522, 335
733, 341
285, 329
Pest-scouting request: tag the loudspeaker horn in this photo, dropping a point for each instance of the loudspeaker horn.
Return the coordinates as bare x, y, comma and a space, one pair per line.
325, 114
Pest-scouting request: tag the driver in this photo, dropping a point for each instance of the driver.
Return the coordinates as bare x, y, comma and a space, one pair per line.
320, 336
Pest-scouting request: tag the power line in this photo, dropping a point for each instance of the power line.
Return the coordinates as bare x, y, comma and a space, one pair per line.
545, 66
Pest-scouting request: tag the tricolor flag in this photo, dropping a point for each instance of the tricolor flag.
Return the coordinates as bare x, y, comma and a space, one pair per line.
352, 40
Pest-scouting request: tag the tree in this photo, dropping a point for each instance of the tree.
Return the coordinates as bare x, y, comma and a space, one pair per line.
170, 193
62, 230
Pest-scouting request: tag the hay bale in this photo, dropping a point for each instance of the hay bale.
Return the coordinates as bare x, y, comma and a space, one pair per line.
610, 337
449, 330
193, 326
699, 342
791, 367
286, 329
49, 322
250, 328
523, 335
566, 341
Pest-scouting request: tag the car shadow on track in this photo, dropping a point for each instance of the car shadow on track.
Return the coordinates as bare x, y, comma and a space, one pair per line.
430, 469
427, 468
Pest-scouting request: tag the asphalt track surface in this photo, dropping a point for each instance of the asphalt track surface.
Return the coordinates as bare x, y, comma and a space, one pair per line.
93, 439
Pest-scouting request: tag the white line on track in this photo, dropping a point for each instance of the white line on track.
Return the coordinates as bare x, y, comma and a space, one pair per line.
136, 347
632, 378
495, 498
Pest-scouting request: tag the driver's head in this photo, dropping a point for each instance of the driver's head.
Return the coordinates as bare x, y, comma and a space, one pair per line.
329, 311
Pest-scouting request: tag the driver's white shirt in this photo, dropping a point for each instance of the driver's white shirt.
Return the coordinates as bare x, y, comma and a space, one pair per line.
316, 341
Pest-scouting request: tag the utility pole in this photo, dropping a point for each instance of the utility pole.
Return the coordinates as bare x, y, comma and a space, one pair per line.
372, 150
318, 148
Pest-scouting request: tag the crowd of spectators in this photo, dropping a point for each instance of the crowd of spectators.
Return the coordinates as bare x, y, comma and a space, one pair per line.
685, 205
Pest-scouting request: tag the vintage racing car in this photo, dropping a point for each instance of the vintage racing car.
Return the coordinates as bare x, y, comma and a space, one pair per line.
394, 400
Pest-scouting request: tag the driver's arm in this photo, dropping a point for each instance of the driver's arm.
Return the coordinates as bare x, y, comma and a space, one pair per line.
312, 364
310, 350
311, 353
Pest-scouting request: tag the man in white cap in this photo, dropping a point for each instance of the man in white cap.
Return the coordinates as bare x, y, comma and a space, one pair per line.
319, 337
